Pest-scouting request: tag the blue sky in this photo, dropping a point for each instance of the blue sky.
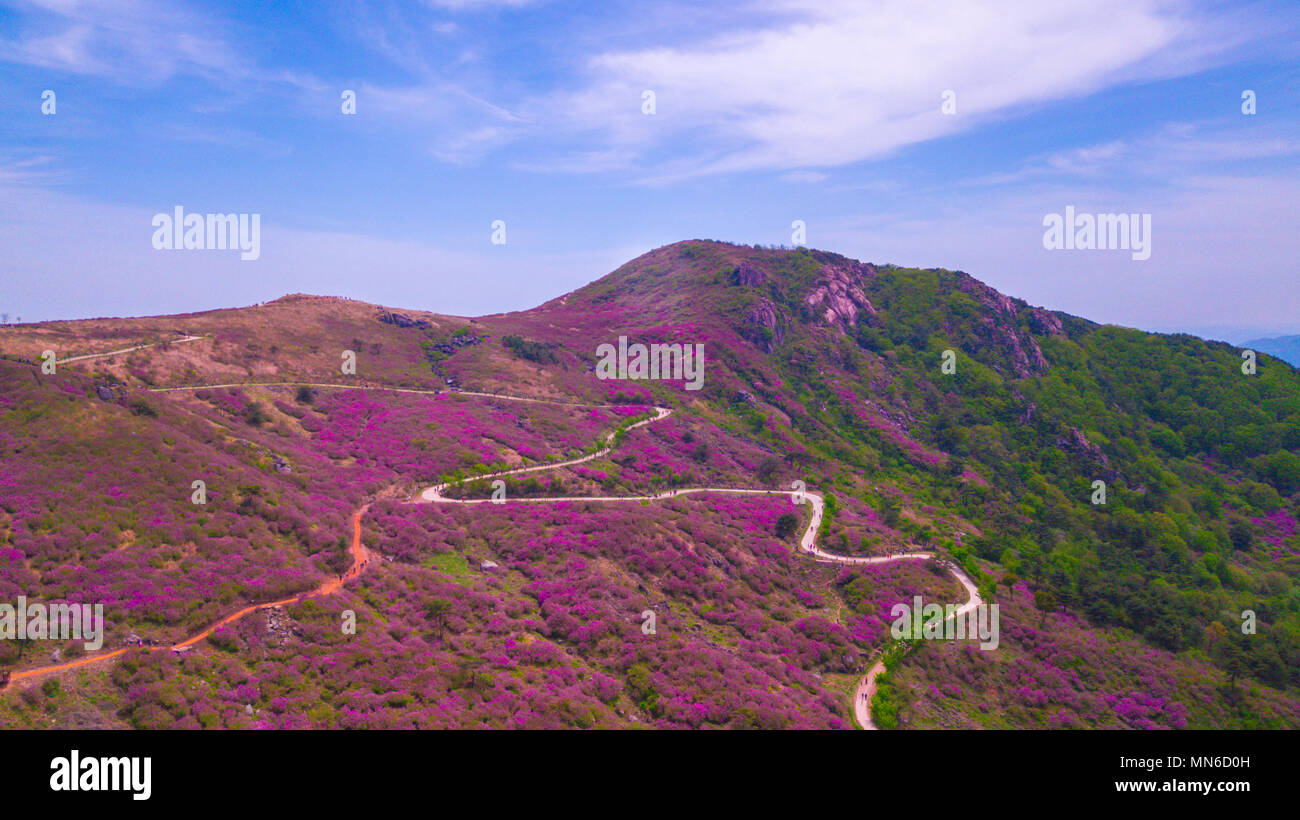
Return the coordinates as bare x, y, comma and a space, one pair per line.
766, 111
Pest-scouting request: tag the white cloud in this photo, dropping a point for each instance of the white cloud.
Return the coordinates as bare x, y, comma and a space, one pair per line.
132, 42
31, 170
846, 81
1164, 157
805, 176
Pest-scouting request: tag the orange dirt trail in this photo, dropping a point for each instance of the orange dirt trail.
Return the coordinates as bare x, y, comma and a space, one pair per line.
361, 559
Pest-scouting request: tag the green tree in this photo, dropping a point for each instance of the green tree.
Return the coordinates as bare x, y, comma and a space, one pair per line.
436, 612
1240, 535
255, 414
891, 512
1009, 580
1045, 602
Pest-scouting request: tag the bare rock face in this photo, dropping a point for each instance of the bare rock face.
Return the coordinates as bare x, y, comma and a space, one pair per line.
999, 327
838, 295
399, 320
456, 343
1045, 322
747, 275
1074, 442
764, 325
1026, 357
279, 628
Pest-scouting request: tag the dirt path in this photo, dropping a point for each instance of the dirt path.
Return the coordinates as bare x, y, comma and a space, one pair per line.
362, 558
127, 349
450, 391
866, 689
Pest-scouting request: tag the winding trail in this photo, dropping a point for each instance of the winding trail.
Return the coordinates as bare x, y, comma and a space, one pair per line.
85, 356
363, 558
867, 686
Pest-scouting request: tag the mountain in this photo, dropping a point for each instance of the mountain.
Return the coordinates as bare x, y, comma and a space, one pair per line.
1286, 348
928, 413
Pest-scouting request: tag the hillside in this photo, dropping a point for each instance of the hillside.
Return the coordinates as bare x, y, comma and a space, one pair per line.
819, 369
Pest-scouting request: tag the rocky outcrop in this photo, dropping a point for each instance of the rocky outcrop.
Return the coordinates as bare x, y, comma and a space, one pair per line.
1045, 322
1075, 443
279, 628
764, 325
838, 295
999, 326
456, 343
400, 320
746, 275
1020, 350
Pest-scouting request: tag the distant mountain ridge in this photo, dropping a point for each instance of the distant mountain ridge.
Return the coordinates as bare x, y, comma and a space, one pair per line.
1286, 348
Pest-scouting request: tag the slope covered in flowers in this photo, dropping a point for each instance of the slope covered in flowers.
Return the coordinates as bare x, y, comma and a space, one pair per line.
821, 370
551, 637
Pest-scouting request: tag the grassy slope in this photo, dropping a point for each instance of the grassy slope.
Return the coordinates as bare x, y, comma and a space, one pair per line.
1199, 461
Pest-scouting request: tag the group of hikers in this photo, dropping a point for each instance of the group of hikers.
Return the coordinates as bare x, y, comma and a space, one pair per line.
357, 569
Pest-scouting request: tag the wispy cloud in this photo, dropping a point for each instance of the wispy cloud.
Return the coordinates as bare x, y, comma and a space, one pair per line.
479, 5
838, 82
1170, 155
805, 176
29, 171
226, 136
766, 111
132, 42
